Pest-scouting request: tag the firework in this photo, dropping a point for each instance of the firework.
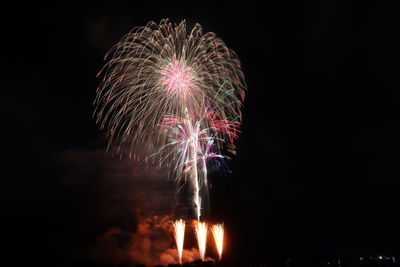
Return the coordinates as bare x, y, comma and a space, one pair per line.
192, 144
201, 234
159, 72
218, 233
179, 233
162, 69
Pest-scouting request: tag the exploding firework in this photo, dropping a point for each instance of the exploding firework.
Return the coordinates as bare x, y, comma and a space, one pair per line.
201, 234
179, 233
218, 233
192, 145
161, 70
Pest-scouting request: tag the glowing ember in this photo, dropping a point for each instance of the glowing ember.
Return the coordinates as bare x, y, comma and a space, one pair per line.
201, 233
179, 233
218, 233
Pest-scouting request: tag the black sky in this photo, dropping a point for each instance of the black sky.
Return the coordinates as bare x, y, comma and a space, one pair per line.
317, 165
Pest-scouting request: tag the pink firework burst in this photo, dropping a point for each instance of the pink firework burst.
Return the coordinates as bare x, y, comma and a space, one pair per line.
178, 79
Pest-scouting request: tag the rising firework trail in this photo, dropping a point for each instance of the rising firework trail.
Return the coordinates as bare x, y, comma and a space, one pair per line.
179, 233
201, 234
194, 178
162, 70
218, 233
192, 144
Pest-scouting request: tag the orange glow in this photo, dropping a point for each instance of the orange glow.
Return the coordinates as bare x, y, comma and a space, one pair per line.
179, 233
201, 233
218, 233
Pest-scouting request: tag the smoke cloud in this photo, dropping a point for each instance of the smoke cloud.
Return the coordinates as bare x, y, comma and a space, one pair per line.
151, 244
127, 209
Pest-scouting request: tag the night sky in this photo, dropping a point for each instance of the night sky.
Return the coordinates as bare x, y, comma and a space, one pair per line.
316, 173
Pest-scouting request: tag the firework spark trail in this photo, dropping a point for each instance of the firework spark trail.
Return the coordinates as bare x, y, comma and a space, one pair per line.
179, 233
160, 70
192, 144
201, 234
218, 233
193, 157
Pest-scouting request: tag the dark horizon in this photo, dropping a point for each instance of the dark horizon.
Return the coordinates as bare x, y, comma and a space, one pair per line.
316, 173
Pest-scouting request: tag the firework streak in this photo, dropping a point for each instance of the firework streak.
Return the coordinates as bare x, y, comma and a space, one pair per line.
175, 94
218, 233
201, 234
179, 233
